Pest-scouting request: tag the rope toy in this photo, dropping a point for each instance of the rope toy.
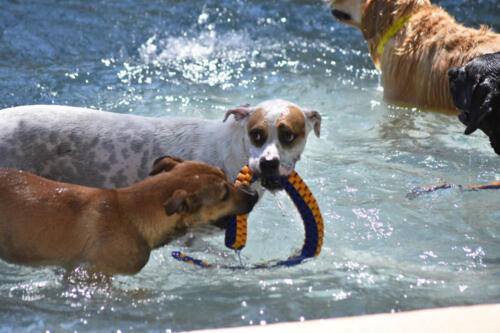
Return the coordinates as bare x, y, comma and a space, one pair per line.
236, 229
306, 204
419, 191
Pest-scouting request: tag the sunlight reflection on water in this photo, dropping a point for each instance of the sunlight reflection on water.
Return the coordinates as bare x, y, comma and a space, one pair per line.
382, 252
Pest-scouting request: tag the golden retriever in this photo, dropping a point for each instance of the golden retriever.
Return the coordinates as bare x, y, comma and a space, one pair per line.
414, 44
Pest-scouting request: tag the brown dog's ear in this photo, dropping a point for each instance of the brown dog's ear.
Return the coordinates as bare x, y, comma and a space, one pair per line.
181, 203
165, 163
176, 204
314, 118
239, 113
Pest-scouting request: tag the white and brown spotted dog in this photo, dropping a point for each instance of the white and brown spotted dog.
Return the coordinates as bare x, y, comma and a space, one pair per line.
415, 43
43, 222
111, 150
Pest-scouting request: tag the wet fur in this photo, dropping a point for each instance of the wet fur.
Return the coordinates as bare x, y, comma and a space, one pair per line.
43, 222
111, 150
475, 88
416, 60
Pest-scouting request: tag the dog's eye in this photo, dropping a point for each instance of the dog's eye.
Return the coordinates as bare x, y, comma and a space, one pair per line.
257, 136
289, 137
227, 192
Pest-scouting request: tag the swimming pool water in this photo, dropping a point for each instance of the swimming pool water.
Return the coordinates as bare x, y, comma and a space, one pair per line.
166, 58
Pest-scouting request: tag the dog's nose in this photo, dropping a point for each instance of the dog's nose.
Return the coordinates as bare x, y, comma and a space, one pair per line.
270, 167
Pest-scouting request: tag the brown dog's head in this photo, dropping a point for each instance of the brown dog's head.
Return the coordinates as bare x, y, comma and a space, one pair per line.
200, 193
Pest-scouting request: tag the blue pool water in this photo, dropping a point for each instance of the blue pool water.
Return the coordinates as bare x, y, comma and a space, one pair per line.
165, 58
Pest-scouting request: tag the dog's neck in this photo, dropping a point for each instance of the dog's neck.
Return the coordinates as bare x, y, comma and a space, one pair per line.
382, 19
142, 207
222, 144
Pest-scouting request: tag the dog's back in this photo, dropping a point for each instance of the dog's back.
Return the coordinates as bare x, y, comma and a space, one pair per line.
106, 149
415, 43
32, 228
432, 43
76, 145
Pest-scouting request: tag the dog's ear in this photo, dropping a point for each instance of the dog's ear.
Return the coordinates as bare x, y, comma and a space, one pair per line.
181, 203
374, 18
239, 112
481, 101
460, 88
175, 204
457, 75
165, 163
314, 119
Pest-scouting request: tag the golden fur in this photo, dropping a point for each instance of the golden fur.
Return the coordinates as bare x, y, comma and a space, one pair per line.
416, 60
111, 231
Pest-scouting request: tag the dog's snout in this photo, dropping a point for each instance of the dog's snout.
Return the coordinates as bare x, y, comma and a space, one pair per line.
250, 197
463, 116
340, 15
269, 167
247, 190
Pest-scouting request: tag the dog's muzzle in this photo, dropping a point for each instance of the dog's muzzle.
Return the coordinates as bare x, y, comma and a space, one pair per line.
463, 116
471, 125
270, 173
251, 198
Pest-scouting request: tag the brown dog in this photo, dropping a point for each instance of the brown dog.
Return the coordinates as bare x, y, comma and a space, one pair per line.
415, 43
112, 231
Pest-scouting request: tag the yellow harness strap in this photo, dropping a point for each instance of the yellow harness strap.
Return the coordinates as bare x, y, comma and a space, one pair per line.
393, 30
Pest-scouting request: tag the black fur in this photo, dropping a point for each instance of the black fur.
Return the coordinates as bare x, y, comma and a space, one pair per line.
475, 89
341, 16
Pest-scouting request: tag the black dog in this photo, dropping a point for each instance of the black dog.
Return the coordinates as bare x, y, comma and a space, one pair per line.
475, 89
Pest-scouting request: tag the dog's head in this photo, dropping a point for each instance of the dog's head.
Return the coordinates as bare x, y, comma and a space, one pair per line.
475, 89
276, 134
348, 11
199, 192
373, 17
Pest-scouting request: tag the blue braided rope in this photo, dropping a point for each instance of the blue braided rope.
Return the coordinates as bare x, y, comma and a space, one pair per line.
231, 224
308, 249
310, 226
230, 238
182, 257
420, 191
284, 263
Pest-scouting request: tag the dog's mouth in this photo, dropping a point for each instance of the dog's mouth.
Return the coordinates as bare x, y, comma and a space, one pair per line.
272, 184
340, 15
270, 176
463, 117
